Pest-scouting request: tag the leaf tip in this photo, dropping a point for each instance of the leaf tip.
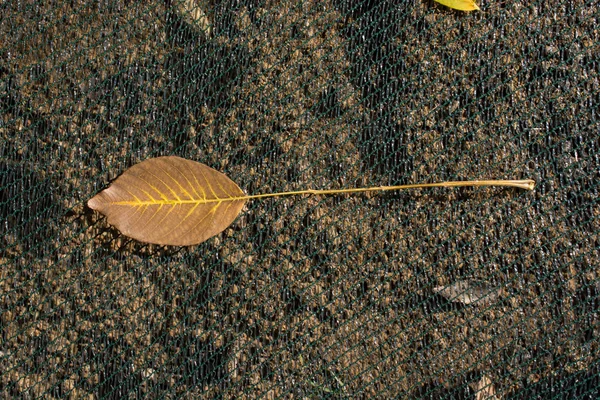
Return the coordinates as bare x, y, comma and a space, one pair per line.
95, 202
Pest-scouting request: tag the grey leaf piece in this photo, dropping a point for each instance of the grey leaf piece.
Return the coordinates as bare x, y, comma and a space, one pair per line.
469, 291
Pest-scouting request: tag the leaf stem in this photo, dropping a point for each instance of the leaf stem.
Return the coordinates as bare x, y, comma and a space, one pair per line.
526, 184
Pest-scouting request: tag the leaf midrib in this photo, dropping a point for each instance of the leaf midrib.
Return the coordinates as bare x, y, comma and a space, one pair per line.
133, 203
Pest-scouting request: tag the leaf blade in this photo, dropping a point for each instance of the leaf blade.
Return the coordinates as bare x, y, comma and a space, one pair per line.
462, 5
155, 201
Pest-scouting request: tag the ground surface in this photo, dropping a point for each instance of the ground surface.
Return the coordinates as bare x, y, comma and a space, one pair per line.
305, 297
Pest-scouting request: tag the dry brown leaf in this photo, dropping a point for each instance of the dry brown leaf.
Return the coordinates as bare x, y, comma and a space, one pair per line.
174, 201
171, 201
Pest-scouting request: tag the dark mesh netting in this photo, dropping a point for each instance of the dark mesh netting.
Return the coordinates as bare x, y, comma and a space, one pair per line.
464, 293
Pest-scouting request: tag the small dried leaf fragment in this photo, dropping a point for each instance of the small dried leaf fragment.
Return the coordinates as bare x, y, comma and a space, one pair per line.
192, 12
170, 201
468, 292
462, 5
485, 389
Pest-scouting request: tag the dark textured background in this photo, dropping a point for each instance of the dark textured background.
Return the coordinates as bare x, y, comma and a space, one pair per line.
306, 297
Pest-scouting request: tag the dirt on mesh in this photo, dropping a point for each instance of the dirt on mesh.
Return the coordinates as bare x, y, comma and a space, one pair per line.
305, 297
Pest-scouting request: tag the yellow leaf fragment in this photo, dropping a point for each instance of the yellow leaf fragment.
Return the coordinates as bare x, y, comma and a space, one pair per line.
462, 5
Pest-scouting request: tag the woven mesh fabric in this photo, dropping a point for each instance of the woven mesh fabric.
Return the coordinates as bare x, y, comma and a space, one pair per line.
309, 296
